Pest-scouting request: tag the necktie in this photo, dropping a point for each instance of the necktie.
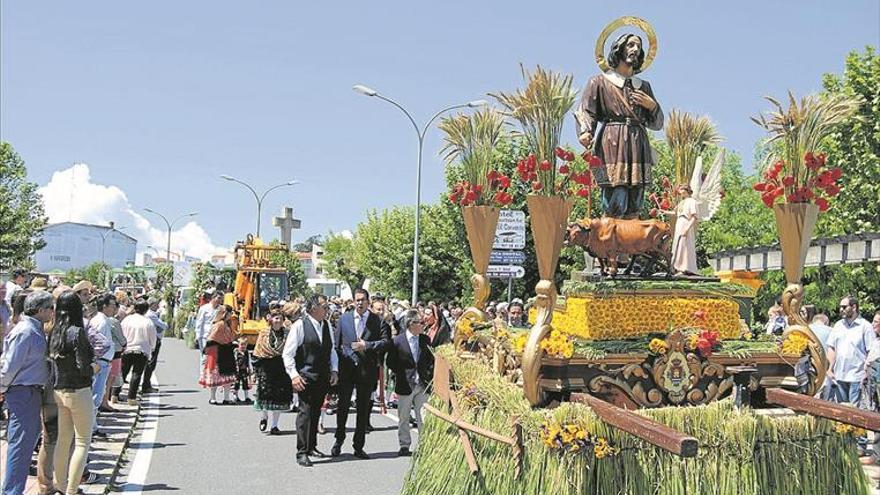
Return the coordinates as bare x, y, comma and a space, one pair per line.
414, 345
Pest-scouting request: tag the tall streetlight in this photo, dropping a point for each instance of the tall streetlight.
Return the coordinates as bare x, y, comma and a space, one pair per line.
420, 133
104, 238
169, 225
259, 197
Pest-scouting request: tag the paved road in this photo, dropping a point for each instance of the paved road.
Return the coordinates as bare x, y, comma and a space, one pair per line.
187, 446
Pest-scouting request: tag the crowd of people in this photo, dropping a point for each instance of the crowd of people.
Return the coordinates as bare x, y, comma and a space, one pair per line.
66, 354
321, 356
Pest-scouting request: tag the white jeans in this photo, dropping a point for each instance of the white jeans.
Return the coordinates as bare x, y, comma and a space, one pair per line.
404, 404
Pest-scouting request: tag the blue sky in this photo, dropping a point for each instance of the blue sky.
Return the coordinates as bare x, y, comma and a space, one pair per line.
159, 98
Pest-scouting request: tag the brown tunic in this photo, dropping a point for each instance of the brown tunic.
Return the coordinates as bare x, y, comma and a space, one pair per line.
622, 143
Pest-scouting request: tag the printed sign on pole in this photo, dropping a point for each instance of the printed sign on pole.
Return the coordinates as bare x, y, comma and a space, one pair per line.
505, 271
511, 230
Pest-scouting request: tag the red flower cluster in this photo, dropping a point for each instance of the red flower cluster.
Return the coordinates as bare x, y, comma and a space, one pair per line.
706, 342
665, 201
467, 194
568, 181
816, 184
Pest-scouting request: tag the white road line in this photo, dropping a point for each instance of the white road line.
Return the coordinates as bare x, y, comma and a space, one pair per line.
140, 466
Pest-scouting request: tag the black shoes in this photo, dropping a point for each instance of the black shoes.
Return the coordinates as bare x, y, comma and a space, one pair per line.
304, 461
336, 450
149, 390
317, 453
360, 454
263, 423
404, 452
274, 431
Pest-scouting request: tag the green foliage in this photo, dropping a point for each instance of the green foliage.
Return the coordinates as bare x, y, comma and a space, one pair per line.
21, 212
383, 247
296, 276
97, 273
855, 147
340, 261
306, 245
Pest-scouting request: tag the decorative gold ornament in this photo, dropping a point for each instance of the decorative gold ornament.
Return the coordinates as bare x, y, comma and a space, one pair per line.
618, 23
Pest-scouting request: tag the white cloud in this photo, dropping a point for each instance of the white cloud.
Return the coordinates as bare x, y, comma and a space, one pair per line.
71, 196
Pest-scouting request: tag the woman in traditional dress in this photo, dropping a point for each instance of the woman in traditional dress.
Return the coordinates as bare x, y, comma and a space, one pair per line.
274, 390
684, 243
219, 369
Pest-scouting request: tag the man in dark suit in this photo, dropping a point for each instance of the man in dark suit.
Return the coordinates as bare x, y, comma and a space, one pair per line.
411, 361
363, 339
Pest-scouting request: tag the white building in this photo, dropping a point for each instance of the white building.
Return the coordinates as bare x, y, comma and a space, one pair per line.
313, 266
77, 245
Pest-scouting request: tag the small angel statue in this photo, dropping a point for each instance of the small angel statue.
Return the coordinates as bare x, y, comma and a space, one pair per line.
700, 201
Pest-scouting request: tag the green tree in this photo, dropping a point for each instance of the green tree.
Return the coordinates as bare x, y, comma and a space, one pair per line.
296, 276
97, 273
855, 148
306, 245
340, 262
21, 212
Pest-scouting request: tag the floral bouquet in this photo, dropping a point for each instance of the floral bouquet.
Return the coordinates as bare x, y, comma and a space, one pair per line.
471, 140
797, 172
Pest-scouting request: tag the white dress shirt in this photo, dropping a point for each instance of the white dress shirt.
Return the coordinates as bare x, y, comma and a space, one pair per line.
140, 333
413, 341
295, 339
360, 323
204, 319
851, 342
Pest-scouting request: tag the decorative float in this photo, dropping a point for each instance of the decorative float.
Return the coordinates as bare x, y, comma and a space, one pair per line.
589, 400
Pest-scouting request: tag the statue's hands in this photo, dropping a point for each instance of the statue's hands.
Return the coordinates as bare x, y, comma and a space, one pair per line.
643, 100
586, 139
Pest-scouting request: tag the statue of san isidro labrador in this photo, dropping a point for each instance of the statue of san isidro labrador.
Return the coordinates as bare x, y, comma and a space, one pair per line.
626, 107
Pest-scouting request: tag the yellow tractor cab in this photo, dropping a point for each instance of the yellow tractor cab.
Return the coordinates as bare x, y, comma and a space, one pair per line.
258, 282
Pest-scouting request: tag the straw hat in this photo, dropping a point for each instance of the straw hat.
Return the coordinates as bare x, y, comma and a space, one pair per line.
39, 284
83, 285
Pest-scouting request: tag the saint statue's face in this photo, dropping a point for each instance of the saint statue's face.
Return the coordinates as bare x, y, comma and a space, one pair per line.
632, 49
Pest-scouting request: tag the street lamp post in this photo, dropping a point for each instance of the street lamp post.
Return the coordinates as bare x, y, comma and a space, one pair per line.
170, 225
420, 133
259, 197
104, 238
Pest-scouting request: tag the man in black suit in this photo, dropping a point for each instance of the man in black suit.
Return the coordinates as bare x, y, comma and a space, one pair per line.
310, 359
411, 361
363, 339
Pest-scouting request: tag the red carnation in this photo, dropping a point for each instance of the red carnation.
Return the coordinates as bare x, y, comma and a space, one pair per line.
832, 190
665, 204
583, 192
492, 175
545, 166
810, 161
822, 203
536, 186
471, 196
504, 182
478, 188
563, 169
788, 181
654, 212
836, 173
560, 152
760, 187
821, 158
595, 162
531, 162
569, 156
704, 347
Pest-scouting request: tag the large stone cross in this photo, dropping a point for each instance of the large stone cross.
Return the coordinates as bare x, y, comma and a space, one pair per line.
286, 223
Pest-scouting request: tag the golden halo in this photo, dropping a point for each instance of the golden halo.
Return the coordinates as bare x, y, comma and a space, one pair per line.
618, 23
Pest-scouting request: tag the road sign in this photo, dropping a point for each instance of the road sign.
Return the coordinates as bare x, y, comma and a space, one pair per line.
507, 258
511, 230
505, 271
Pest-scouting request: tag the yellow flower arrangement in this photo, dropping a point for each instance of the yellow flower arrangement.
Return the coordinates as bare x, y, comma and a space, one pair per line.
558, 344
845, 429
795, 344
519, 343
628, 316
658, 346
691, 344
573, 438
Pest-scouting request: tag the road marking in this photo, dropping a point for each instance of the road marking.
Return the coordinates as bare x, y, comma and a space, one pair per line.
140, 466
